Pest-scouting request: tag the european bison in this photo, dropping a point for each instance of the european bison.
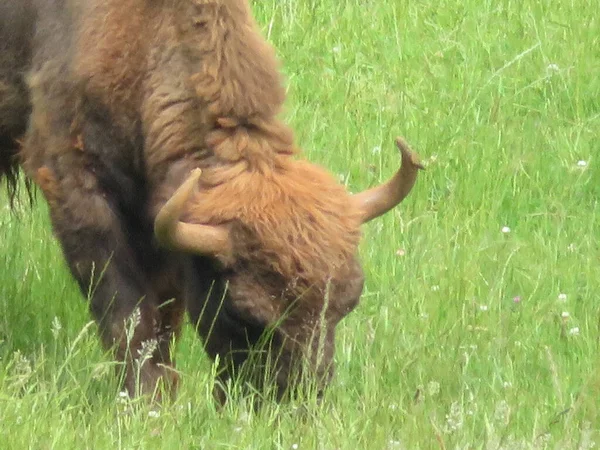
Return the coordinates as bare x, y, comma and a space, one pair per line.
151, 127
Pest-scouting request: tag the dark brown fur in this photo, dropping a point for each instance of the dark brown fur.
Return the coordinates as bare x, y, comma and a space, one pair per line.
126, 98
16, 31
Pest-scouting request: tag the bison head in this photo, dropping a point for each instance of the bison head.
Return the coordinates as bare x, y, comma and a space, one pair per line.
274, 262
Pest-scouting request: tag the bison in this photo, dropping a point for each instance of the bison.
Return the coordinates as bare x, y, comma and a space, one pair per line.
151, 127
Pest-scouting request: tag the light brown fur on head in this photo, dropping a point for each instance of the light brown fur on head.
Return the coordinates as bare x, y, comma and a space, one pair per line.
298, 217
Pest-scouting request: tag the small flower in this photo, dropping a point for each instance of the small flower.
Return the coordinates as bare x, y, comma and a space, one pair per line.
337, 49
123, 398
454, 418
502, 412
562, 297
433, 388
56, 327
565, 315
552, 68
153, 413
100, 371
294, 446
517, 299
400, 252
483, 307
574, 331
435, 288
505, 229
581, 163
507, 385
376, 150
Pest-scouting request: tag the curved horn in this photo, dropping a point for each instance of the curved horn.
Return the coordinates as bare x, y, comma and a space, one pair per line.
186, 237
378, 200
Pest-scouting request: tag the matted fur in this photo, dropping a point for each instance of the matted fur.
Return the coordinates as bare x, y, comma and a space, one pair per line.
298, 214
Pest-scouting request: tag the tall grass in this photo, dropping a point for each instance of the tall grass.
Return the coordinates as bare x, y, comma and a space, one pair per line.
479, 323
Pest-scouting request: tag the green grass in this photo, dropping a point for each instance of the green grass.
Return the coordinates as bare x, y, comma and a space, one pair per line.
501, 99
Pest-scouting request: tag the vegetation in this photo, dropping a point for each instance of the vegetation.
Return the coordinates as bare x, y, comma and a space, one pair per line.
479, 324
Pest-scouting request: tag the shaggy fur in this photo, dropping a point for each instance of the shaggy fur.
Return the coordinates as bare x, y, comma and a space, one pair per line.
297, 213
16, 30
122, 99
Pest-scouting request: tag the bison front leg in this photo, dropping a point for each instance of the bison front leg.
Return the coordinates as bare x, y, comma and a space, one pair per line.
107, 260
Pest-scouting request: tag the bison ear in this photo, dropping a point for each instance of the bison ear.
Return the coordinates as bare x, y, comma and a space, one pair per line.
379, 200
173, 234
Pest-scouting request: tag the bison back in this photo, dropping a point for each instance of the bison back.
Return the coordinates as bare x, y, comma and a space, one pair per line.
17, 24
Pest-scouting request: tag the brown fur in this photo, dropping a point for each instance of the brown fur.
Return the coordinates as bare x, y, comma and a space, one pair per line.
296, 212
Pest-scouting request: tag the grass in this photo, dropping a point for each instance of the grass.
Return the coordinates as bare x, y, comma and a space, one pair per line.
462, 338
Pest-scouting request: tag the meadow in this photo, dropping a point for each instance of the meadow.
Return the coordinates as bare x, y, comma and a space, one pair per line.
479, 325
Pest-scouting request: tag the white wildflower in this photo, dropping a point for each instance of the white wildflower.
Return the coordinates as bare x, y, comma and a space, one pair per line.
435, 288
502, 412
153, 413
586, 442
376, 150
574, 331
454, 418
552, 67
21, 370
337, 49
483, 307
562, 297
433, 388
294, 446
56, 327
100, 371
565, 314
22, 366
581, 163
505, 229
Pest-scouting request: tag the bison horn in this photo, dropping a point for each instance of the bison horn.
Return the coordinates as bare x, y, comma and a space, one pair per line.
210, 240
379, 200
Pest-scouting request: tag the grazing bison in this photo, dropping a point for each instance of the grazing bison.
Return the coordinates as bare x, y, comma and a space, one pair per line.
151, 127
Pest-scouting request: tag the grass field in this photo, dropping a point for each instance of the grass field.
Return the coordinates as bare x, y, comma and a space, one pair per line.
479, 323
